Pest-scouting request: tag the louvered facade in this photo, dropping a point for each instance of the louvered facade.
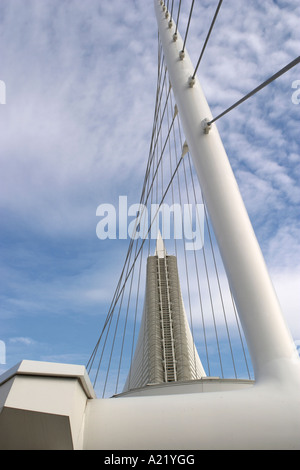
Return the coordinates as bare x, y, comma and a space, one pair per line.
165, 350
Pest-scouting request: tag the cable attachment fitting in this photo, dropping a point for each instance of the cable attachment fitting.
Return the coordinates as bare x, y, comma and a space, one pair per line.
175, 37
170, 24
181, 55
192, 81
185, 149
206, 126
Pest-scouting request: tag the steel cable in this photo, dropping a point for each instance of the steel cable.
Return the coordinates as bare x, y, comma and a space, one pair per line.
207, 37
258, 88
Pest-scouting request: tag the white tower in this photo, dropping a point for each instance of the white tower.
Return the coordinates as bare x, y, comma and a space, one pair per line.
270, 344
165, 349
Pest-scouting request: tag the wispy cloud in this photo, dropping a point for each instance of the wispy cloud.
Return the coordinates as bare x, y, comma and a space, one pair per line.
21, 340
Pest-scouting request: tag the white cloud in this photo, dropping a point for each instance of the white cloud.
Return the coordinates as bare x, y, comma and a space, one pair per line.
77, 100
23, 341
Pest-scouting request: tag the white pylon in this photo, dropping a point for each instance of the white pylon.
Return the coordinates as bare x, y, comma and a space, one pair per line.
270, 344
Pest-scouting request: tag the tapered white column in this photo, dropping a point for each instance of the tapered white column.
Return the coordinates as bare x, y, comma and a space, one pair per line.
270, 344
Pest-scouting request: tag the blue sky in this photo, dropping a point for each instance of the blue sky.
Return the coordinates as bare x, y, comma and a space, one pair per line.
75, 133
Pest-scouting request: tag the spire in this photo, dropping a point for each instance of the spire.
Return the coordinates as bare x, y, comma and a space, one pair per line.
160, 250
165, 350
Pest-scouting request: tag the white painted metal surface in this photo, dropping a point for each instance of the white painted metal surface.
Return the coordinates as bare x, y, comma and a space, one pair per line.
42, 406
244, 419
41, 409
271, 346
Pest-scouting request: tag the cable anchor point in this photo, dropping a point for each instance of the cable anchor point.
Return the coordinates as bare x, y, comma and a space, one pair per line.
185, 149
206, 125
192, 82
